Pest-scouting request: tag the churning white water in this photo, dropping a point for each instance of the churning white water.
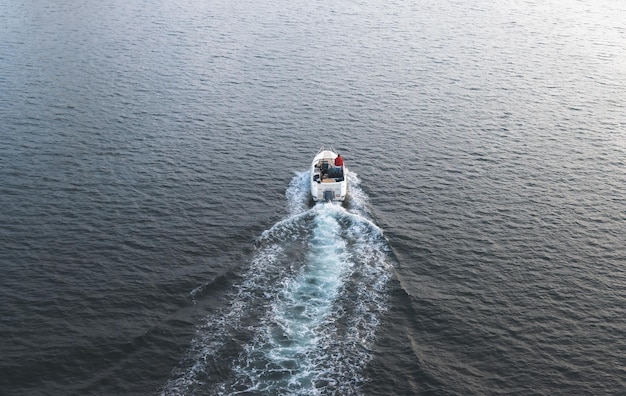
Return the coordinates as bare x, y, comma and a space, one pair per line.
306, 309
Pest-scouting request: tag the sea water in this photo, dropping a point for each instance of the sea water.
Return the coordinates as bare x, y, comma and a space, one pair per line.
156, 231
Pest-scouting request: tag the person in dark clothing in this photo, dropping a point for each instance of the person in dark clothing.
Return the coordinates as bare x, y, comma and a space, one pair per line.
339, 160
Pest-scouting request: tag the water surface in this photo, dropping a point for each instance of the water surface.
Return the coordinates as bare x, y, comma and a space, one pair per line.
156, 235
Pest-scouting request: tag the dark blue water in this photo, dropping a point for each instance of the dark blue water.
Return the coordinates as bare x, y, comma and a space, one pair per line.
156, 235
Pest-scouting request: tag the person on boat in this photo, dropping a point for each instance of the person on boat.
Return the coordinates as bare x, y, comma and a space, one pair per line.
339, 160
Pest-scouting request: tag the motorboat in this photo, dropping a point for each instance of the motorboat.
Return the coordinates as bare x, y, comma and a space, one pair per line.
329, 178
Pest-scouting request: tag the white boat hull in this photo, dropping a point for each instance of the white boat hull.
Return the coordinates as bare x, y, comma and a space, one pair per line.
328, 182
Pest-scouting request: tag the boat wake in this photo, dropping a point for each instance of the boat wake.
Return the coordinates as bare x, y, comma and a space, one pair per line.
304, 316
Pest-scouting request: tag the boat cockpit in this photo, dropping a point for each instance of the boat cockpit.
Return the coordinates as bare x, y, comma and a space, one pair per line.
325, 172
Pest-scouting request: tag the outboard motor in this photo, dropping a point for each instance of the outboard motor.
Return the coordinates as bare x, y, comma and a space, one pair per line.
329, 195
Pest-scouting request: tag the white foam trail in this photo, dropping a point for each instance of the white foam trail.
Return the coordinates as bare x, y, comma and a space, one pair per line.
298, 193
213, 335
305, 314
287, 348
